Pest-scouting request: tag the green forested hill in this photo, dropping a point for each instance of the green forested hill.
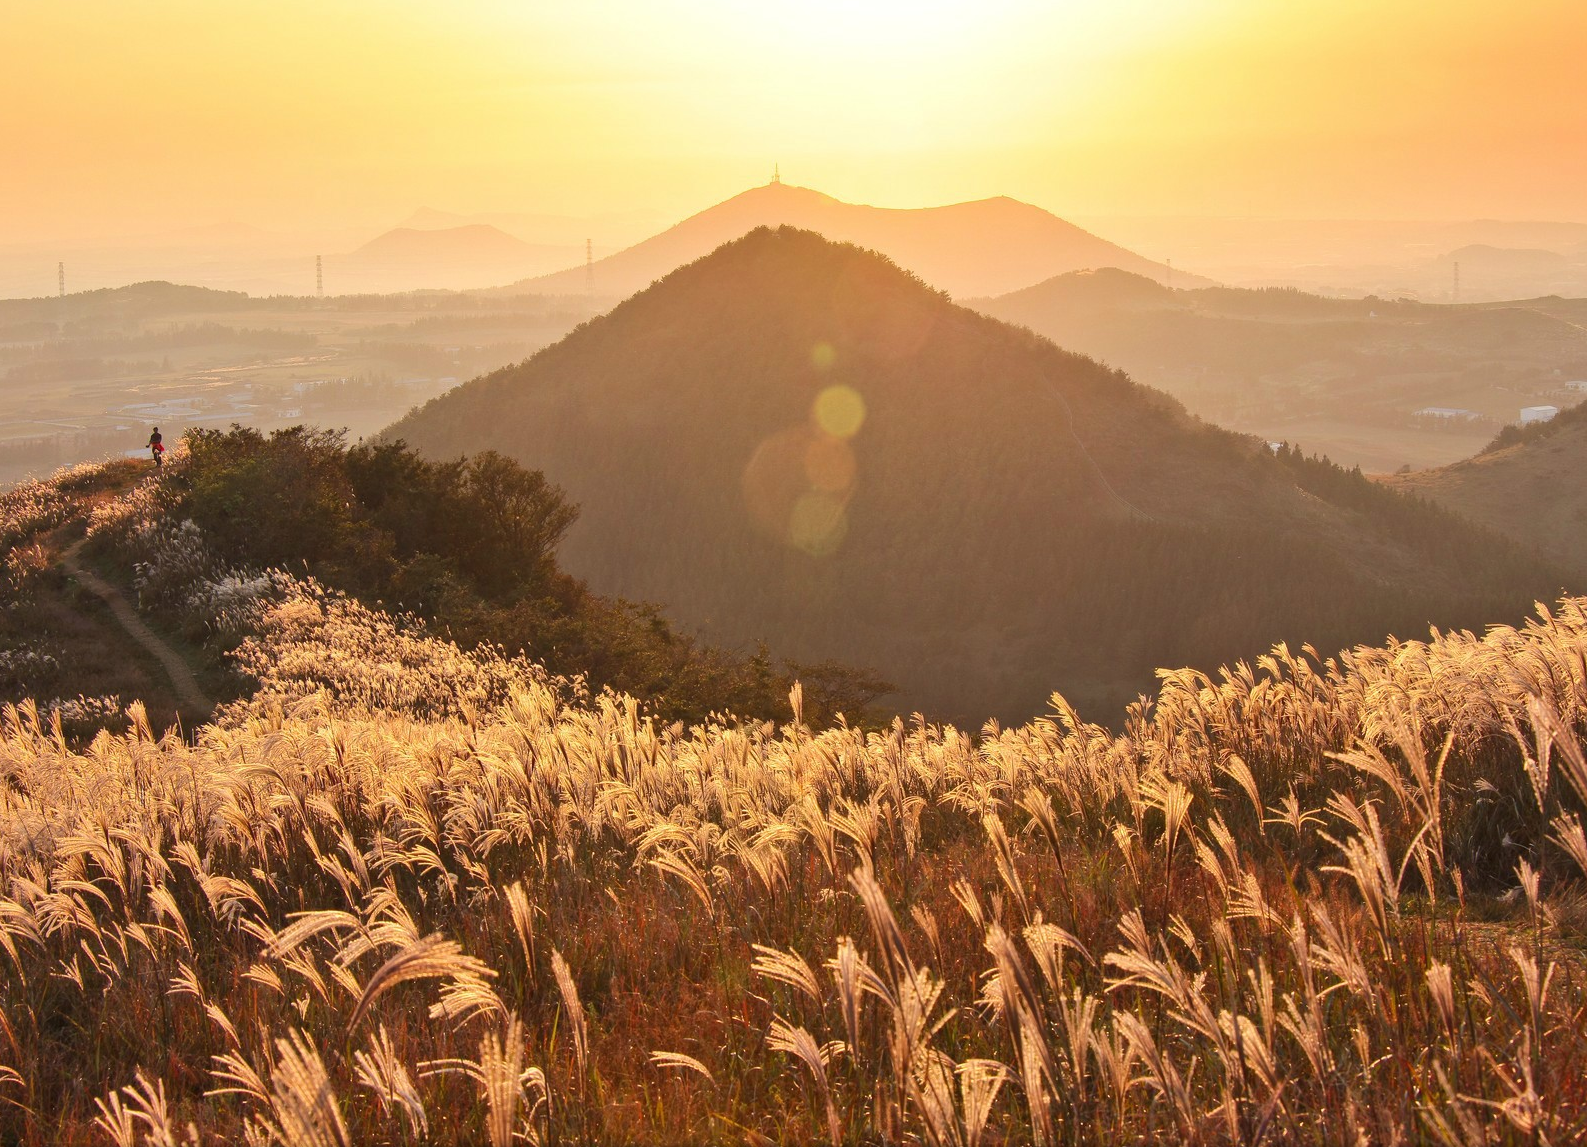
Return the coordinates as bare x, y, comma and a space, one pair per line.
795, 440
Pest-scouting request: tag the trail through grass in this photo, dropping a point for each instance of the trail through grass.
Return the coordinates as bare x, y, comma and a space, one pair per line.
182, 677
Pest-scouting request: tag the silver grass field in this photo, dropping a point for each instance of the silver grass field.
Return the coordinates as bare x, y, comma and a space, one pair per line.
410, 894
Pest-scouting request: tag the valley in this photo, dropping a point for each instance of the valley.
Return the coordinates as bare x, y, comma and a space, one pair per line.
87, 375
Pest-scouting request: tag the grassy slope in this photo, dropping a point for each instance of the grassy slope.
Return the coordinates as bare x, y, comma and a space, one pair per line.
1533, 492
48, 610
984, 563
202, 933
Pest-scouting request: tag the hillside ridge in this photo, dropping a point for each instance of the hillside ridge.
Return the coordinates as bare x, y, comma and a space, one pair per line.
689, 424
973, 247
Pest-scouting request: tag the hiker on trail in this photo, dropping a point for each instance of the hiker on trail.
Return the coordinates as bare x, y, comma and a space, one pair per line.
155, 446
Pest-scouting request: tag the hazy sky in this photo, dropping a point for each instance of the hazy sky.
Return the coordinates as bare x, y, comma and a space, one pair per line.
118, 116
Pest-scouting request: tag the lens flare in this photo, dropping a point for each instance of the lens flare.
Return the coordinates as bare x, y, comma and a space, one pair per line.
839, 411
823, 355
797, 487
818, 523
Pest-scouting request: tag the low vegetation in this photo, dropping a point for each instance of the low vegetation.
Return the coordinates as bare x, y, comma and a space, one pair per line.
406, 892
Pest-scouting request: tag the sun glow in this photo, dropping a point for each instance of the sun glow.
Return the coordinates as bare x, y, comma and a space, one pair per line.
176, 111
883, 29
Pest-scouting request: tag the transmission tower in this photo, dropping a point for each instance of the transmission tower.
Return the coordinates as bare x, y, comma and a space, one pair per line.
60, 280
320, 290
1456, 282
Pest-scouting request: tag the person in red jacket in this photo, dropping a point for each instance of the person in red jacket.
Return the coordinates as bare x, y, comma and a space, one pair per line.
155, 446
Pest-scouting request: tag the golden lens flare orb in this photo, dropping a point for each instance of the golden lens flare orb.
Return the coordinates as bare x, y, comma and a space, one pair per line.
839, 411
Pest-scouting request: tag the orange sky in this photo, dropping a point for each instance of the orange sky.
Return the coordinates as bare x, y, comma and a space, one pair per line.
121, 116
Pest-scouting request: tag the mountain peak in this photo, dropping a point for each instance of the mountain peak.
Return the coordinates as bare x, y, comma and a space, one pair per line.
778, 193
982, 247
794, 439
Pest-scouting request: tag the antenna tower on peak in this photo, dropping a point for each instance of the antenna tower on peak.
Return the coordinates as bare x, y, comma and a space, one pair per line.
775, 181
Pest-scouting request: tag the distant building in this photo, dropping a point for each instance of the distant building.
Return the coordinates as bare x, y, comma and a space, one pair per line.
1576, 385
1451, 413
1537, 414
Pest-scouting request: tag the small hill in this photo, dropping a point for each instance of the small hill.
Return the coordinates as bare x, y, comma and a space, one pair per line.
1093, 290
795, 440
1500, 272
1532, 490
1508, 260
117, 304
982, 247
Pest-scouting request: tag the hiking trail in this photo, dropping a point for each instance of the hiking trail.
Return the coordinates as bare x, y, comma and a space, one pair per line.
182, 679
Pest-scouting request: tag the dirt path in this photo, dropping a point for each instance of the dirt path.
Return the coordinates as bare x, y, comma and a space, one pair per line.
182, 679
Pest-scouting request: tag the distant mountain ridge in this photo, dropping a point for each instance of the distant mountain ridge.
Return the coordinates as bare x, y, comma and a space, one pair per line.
795, 440
985, 246
1344, 375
